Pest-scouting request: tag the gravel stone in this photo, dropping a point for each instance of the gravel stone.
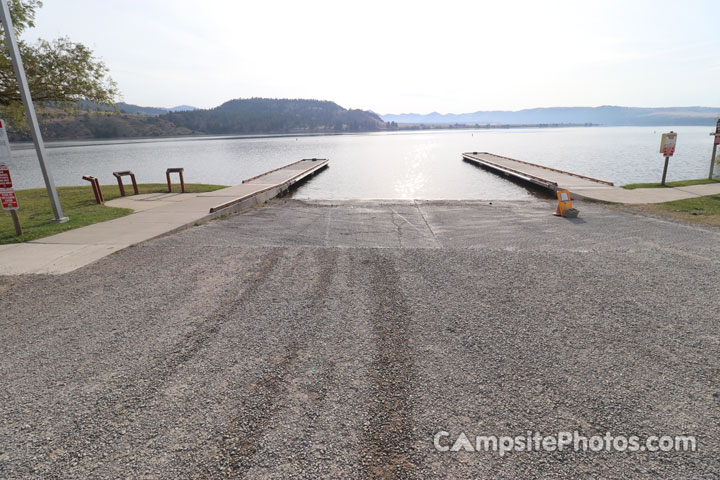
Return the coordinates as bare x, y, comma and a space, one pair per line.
334, 340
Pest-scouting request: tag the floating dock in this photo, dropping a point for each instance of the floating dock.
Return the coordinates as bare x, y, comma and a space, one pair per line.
155, 214
581, 186
550, 178
267, 185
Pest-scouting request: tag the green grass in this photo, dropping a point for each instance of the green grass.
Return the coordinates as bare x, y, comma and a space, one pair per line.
707, 205
680, 183
78, 203
704, 209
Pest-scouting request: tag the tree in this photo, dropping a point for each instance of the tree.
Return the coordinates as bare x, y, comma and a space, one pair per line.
59, 72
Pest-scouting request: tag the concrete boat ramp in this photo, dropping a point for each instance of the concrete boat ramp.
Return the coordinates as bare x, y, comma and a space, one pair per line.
156, 214
164, 213
581, 186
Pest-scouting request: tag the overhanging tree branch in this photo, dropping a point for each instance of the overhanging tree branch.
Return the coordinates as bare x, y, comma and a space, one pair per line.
60, 72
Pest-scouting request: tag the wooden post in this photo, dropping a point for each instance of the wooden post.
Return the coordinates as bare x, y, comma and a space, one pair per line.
179, 171
665, 171
120, 184
716, 139
712, 161
96, 188
98, 192
16, 222
135, 189
119, 175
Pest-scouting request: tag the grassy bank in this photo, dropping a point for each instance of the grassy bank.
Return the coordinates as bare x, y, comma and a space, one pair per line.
78, 203
695, 210
680, 183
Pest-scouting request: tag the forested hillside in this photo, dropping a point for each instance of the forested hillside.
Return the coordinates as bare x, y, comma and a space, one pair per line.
59, 125
264, 115
242, 116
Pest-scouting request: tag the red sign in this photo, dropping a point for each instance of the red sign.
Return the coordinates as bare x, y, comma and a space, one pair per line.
667, 145
717, 142
5, 180
8, 199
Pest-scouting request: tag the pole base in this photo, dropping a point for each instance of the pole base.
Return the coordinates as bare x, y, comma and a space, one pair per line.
61, 220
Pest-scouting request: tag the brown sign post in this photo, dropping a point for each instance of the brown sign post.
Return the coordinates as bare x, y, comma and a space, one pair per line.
667, 148
715, 134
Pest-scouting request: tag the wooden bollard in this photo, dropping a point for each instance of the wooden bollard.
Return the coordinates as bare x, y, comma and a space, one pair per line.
182, 180
96, 188
119, 175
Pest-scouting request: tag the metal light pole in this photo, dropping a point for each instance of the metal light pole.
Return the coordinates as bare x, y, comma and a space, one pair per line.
30, 110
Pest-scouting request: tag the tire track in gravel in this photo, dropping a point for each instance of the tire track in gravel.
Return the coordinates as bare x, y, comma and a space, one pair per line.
388, 439
194, 341
136, 395
241, 440
316, 410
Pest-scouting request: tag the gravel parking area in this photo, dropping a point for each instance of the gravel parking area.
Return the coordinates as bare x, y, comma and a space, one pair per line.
315, 339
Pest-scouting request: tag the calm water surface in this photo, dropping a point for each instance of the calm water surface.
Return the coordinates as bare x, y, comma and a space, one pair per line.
399, 165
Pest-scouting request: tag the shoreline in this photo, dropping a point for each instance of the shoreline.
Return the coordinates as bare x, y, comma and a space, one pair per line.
233, 136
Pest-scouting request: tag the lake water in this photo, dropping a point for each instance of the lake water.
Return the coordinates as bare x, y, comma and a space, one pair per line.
397, 165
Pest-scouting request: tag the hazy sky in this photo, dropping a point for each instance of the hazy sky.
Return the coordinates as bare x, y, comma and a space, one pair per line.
402, 56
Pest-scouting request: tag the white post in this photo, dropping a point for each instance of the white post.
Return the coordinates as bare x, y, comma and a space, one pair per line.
30, 110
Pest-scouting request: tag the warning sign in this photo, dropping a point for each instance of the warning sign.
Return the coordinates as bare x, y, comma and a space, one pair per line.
8, 199
5, 180
4, 144
667, 144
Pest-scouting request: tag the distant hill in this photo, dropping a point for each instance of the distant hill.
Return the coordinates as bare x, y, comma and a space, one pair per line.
265, 115
182, 108
241, 116
123, 107
605, 115
59, 125
129, 108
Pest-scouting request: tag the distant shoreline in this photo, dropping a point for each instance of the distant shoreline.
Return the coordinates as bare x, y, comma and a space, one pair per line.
416, 128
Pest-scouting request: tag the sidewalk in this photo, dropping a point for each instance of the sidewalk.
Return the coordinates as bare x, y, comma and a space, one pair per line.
156, 214
644, 195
